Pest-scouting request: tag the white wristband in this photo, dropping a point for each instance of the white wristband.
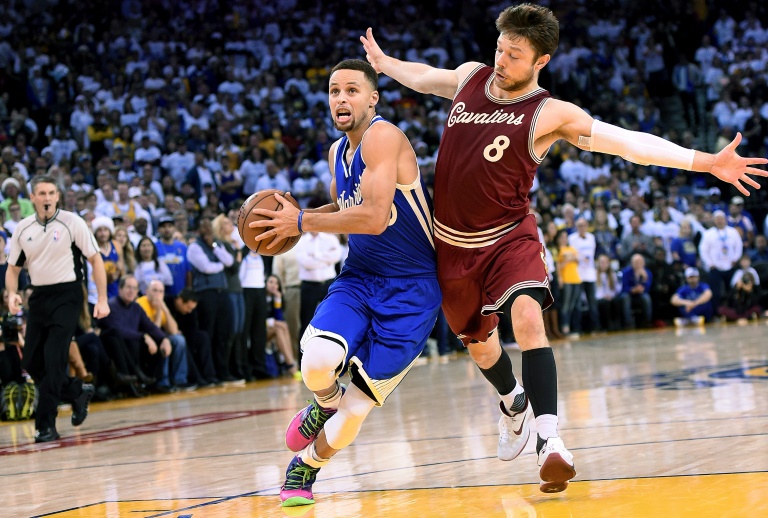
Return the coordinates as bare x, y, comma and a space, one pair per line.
640, 148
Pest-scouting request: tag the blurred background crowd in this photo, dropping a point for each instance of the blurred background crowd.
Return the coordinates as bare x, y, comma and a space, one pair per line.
159, 117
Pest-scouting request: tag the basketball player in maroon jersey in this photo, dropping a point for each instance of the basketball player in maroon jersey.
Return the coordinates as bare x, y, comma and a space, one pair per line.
489, 257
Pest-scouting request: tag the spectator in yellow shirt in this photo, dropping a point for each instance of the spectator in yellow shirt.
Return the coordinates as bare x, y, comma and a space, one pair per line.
570, 284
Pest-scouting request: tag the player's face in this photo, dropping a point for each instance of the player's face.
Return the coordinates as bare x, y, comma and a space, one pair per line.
516, 64
350, 97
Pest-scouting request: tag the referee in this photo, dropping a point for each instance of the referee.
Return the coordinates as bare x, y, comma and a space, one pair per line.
53, 242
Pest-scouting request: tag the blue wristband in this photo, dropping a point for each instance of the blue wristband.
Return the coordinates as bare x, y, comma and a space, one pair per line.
298, 223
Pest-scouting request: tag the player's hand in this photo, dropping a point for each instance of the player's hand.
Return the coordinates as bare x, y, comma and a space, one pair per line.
283, 223
732, 168
101, 309
373, 52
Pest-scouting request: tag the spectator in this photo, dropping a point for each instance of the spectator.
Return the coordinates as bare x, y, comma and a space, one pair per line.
208, 258
317, 254
743, 301
286, 267
635, 288
255, 333
694, 299
741, 221
759, 254
683, 248
183, 308
277, 329
272, 180
11, 188
720, 249
607, 291
173, 253
223, 232
134, 343
149, 267
129, 253
636, 242
745, 266
175, 366
667, 278
111, 252
585, 245
569, 282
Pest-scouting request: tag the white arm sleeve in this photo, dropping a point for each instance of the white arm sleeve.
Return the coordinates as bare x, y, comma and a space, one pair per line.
640, 148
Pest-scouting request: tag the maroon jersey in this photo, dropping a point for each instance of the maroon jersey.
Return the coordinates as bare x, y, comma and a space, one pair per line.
486, 163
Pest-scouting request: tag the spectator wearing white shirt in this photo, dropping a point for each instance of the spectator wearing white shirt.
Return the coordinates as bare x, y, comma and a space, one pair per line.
178, 163
251, 170
745, 266
720, 249
305, 185
272, 180
586, 246
253, 281
317, 254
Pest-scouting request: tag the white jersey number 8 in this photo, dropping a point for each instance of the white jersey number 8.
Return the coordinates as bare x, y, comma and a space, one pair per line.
494, 152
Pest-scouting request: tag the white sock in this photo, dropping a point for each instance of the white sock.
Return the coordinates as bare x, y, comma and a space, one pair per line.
509, 399
331, 401
310, 457
546, 426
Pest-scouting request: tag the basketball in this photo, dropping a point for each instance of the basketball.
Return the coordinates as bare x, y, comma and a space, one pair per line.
263, 200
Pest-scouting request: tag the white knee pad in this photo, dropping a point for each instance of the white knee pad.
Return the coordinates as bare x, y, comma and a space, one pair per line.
321, 362
342, 428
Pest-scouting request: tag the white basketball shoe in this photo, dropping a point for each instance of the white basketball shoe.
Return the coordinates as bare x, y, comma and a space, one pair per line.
556, 466
514, 431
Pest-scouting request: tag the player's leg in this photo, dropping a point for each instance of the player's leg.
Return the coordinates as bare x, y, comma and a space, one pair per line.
514, 423
540, 379
338, 433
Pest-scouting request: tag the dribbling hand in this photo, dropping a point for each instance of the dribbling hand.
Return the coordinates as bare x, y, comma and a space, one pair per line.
373, 52
734, 169
283, 221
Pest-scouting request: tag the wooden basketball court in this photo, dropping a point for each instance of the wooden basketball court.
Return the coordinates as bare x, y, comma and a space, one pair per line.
661, 423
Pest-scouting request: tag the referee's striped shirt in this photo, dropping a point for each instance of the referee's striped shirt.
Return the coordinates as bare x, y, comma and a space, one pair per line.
53, 250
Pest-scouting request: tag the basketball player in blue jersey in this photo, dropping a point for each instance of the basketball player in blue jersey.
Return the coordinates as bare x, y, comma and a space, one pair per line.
380, 310
490, 260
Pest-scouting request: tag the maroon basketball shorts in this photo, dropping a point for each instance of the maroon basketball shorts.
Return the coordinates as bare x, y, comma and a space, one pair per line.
476, 282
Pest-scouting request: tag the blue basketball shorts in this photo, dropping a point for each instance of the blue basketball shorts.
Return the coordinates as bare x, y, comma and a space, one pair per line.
382, 322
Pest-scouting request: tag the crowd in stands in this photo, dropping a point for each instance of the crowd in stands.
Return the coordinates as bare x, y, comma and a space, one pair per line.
159, 117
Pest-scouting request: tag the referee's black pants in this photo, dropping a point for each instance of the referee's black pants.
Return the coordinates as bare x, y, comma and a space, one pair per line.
53, 317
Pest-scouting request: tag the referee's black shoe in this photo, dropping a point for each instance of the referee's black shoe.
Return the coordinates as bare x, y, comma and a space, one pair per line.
47, 435
80, 404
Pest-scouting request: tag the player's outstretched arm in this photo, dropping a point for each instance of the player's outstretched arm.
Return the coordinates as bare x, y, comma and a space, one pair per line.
416, 76
565, 120
381, 149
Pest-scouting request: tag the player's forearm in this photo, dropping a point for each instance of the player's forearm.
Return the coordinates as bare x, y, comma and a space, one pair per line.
408, 73
325, 209
355, 220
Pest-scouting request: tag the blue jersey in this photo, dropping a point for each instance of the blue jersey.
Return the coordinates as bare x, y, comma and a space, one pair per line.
175, 256
405, 248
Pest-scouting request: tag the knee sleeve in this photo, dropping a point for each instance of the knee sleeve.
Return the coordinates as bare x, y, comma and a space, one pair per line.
321, 363
342, 428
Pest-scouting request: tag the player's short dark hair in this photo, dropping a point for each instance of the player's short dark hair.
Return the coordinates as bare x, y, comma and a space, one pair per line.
535, 23
362, 66
43, 178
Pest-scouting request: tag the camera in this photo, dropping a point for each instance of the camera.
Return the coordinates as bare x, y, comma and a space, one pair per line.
11, 326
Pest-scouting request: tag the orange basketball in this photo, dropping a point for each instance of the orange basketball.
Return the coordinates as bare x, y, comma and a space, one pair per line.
263, 200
